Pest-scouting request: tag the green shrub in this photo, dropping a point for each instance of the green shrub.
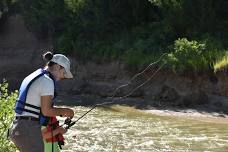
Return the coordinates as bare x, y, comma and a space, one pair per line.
188, 56
7, 101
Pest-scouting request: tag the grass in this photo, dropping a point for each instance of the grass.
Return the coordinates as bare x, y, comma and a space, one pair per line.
197, 63
222, 63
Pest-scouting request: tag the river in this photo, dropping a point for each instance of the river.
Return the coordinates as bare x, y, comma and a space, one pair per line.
125, 129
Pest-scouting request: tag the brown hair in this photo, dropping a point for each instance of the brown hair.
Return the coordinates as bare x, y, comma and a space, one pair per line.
47, 58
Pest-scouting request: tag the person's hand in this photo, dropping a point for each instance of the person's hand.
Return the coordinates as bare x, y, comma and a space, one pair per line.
62, 130
67, 112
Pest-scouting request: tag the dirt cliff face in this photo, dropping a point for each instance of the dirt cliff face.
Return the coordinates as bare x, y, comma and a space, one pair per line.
20, 54
20, 51
164, 89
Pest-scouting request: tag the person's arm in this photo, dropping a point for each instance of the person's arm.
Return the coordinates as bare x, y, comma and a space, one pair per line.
50, 111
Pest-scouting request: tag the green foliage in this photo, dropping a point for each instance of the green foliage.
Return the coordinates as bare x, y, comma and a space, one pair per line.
7, 101
72, 22
188, 56
103, 30
44, 17
221, 63
6, 8
192, 18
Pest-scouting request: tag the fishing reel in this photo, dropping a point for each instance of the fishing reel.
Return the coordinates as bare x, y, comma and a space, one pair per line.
69, 123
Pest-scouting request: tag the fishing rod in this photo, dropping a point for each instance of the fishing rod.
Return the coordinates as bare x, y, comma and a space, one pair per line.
68, 122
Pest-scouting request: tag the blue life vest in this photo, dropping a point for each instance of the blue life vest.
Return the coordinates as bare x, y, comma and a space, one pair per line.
21, 100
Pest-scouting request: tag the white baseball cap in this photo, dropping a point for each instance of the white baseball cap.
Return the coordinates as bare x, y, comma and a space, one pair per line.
64, 62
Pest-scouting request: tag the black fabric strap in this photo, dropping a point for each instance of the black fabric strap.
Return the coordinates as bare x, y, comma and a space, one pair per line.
27, 118
27, 110
29, 105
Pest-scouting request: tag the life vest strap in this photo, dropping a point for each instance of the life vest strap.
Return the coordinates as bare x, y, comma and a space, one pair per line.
29, 105
27, 110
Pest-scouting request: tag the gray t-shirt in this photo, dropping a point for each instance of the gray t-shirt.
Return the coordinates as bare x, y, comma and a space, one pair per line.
43, 86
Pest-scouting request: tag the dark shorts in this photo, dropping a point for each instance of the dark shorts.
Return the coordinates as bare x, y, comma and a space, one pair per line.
26, 135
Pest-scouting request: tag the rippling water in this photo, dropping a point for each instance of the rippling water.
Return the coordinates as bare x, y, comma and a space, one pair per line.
124, 129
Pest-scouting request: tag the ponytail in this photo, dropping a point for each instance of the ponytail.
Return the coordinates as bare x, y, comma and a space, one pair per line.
47, 58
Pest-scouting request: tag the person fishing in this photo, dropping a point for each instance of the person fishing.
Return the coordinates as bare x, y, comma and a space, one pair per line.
34, 105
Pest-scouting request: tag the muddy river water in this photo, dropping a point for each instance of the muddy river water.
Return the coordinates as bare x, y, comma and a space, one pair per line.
125, 129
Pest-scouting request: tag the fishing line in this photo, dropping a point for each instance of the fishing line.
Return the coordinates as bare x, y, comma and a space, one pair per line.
138, 74
70, 123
